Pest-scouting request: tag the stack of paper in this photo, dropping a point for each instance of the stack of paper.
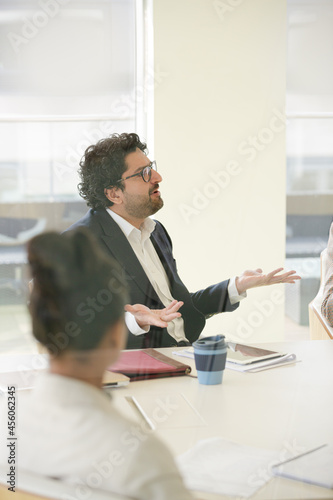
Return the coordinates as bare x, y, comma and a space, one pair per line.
250, 366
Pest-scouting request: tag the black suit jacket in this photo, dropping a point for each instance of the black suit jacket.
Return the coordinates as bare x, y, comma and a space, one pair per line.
197, 306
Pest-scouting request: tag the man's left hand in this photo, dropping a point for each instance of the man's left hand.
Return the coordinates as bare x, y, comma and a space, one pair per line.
252, 279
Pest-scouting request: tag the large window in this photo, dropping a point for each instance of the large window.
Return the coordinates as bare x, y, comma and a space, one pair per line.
309, 146
72, 72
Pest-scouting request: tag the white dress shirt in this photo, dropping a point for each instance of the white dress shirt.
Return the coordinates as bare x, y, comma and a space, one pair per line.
140, 241
69, 429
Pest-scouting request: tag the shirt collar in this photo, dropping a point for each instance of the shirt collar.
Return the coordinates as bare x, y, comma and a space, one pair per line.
127, 228
69, 389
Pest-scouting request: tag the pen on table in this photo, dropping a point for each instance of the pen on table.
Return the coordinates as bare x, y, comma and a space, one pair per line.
300, 455
141, 411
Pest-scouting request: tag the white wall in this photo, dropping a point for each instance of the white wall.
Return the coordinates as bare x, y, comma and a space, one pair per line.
221, 80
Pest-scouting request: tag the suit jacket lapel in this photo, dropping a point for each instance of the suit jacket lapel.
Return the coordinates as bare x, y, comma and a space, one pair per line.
165, 257
122, 251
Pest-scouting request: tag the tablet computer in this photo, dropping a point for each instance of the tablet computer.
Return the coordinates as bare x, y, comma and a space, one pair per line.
243, 354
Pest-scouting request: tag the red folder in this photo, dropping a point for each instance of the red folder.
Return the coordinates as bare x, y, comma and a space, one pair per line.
148, 363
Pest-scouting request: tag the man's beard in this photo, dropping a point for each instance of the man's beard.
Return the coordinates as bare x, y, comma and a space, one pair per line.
141, 207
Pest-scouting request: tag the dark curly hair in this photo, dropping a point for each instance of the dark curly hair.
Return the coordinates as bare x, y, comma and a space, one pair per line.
103, 164
68, 269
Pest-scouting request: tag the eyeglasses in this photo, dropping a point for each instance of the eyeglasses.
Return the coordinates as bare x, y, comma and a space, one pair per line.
145, 173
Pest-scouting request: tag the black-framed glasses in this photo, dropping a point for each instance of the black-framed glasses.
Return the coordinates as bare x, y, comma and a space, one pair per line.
145, 173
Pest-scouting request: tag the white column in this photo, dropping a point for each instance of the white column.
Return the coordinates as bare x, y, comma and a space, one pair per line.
220, 147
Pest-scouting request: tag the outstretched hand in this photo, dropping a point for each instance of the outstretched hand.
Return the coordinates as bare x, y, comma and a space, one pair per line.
252, 279
157, 317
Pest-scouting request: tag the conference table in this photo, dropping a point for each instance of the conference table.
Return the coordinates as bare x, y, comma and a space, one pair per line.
288, 409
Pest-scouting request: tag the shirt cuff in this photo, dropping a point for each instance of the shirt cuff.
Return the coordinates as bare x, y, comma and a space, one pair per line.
233, 292
132, 325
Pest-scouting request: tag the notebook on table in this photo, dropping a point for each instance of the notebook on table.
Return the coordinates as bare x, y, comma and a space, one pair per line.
148, 363
111, 379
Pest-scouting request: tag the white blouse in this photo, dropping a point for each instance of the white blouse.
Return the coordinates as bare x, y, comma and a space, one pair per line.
69, 430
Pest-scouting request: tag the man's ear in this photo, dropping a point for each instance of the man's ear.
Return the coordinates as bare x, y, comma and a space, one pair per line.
114, 195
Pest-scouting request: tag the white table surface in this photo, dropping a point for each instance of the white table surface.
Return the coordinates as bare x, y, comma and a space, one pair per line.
287, 408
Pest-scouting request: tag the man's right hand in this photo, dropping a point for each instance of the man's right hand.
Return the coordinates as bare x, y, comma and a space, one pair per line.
146, 317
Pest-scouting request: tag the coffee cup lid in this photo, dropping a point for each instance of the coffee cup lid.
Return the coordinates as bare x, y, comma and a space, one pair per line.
213, 342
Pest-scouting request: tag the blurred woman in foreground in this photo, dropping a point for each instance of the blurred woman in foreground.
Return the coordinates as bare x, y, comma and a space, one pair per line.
70, 430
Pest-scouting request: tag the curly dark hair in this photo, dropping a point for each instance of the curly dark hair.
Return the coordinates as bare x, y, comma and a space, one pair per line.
103, 164
66, 269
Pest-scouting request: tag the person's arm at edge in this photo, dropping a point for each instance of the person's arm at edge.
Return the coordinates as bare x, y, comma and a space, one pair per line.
327, 304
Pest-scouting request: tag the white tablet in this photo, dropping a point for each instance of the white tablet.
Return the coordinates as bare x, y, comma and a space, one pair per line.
243, 354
